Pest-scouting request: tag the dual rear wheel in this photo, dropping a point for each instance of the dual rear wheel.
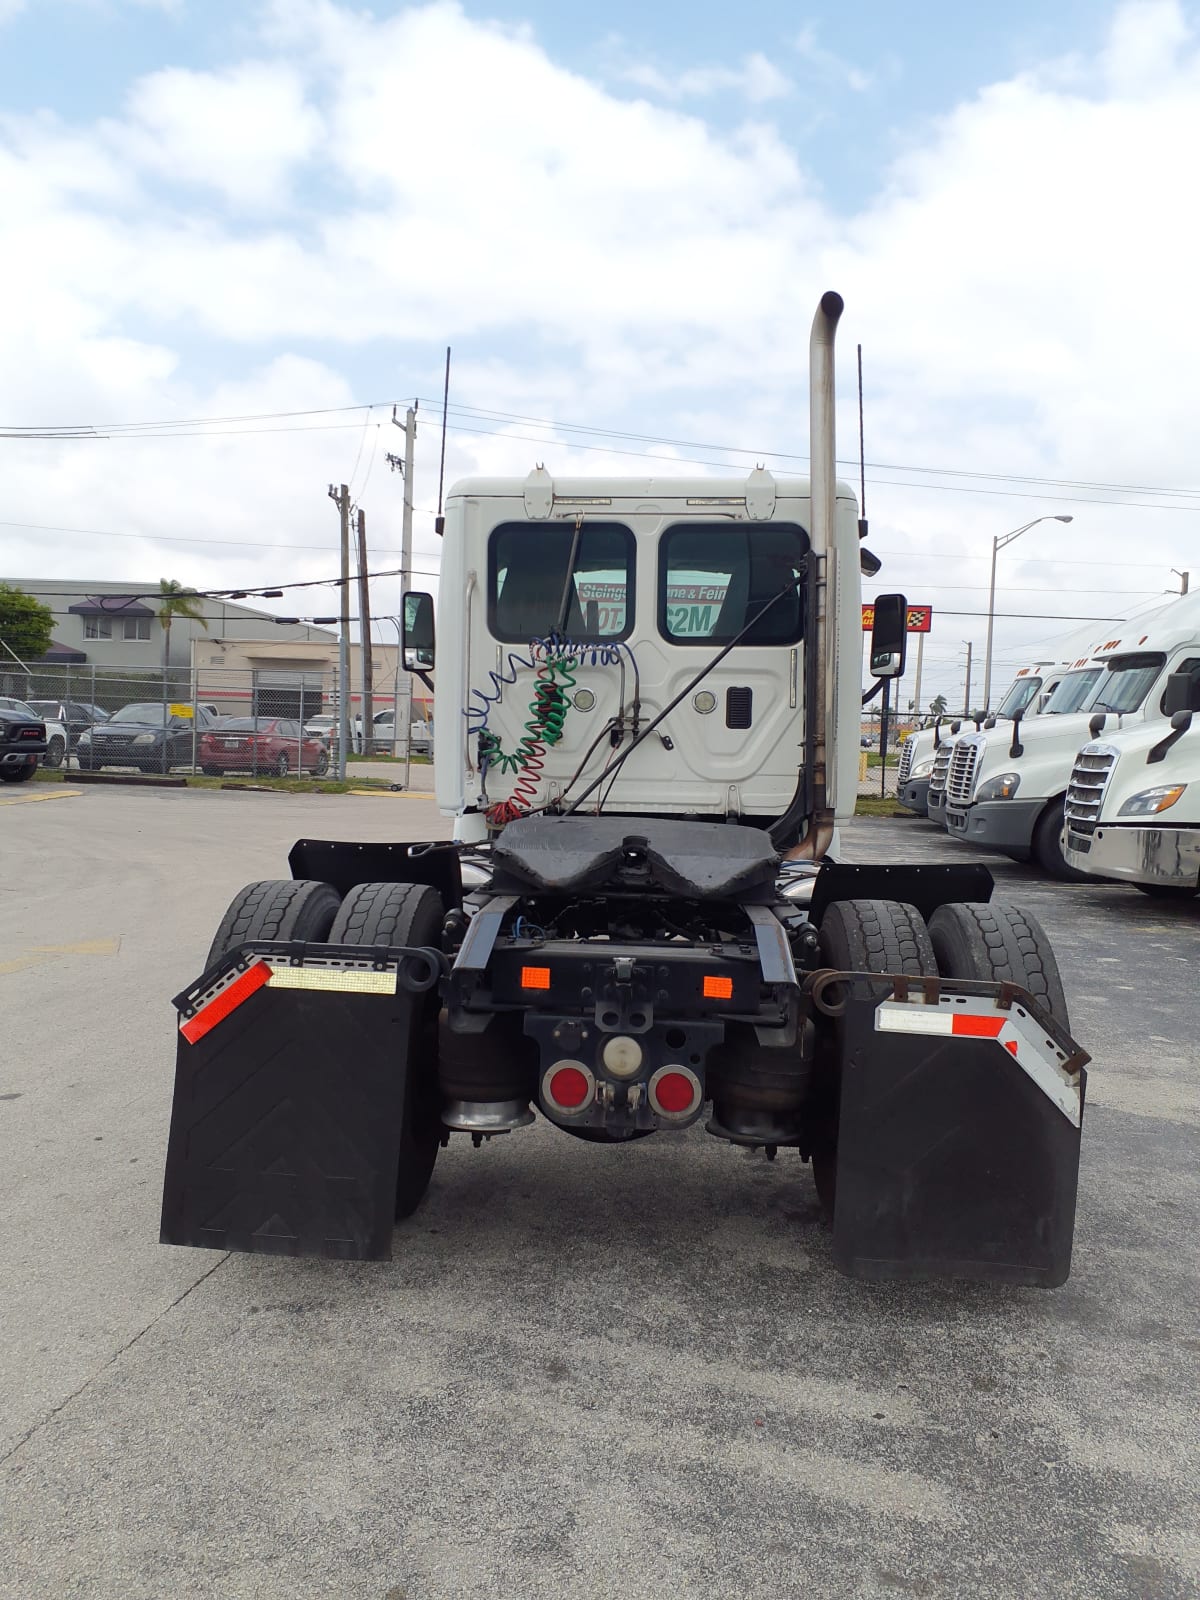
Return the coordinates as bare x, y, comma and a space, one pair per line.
393, 914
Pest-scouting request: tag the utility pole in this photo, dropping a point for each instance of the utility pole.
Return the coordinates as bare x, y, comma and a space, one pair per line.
917, 685
364, 633
341, 498
967, 690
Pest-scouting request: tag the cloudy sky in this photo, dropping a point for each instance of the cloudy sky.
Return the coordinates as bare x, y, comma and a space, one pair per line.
280, 214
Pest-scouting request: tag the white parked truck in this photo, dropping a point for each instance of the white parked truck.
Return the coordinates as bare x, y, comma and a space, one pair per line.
647, 700
1133, 803
1031, 689
1005, 790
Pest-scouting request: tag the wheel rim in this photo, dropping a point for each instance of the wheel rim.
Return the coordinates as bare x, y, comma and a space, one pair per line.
281, 766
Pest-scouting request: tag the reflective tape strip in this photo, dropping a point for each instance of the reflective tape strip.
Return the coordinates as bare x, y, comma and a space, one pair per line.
895, 1017
1015, 1031
224, 1001
334, 980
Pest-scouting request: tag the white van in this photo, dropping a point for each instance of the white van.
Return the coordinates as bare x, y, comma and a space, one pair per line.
1005, 790
1133, 803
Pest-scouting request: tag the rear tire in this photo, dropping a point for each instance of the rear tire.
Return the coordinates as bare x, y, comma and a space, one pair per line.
998, 943
406, 914
282, 766
279, 908
859, 936
18, 774
1047, 846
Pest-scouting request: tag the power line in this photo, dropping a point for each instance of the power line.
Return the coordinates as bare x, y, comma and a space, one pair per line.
176, 427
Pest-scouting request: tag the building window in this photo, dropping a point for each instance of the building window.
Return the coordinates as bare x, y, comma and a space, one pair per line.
97, 627
137, 627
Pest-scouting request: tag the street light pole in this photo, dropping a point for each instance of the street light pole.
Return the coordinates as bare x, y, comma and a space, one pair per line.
998, 544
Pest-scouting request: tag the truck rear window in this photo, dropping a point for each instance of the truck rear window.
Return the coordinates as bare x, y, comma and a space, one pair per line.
716, 577
530, 574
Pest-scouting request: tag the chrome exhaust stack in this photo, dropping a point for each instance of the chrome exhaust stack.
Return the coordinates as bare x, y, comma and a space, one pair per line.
821, 688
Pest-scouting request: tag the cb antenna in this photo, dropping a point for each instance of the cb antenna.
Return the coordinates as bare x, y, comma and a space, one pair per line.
439, 526
862, 464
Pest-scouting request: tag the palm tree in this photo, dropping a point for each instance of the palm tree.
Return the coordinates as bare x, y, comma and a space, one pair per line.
176, 601
937, 706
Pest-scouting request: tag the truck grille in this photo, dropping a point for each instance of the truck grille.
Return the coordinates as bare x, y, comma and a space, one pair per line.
960, 780
941, 765
1085, 793
906, 758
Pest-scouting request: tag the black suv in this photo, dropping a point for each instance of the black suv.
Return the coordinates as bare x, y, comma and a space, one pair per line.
148, 736
22, 741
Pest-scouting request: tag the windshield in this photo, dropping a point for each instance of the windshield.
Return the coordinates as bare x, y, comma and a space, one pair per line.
1128, 682
9, 704
149, 712
45, 708
1073, 691
1019, 696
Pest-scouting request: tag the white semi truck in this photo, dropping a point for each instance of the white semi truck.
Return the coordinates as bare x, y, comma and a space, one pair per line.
1069, 687
1133, 802
1005, 790
648, 701
1029, 693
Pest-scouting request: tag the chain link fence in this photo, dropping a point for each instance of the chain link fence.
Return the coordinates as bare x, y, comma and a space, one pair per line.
211, 720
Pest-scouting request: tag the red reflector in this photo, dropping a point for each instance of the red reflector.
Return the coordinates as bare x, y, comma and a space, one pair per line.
674, 1092
535, 977
569, 1087
718, 988
979, 1027
219, 1007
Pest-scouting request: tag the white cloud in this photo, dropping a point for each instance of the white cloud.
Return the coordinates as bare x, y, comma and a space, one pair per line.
756, 80
10, 9
828, 64
1022, 286
242, 132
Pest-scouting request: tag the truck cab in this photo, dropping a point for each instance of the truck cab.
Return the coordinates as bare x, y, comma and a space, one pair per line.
589, 606
1132, 811
1006, 791
1030, 691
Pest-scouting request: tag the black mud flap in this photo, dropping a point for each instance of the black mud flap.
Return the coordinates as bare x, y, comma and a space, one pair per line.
290, 1090
958, 1133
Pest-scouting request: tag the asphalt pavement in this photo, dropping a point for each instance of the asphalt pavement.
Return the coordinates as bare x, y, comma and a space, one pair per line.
588, 1371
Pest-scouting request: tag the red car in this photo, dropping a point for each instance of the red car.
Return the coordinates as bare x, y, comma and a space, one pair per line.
271, 746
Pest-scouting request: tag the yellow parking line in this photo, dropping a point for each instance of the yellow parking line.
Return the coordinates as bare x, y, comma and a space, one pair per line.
50, 792
47, 952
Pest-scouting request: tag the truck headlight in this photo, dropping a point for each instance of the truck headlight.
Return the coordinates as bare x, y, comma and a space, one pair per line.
84, 738
1001, 787
1152, 801
145, 738
922, 768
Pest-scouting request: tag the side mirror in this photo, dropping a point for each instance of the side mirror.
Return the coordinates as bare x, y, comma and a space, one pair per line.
889, 637
1181, 694
1182, 720
417, 631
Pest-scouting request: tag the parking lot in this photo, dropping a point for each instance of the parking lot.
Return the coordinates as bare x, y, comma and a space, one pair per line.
588, 1371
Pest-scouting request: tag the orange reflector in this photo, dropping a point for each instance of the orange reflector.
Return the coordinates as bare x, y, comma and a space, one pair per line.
978, 1027
718, 988
535, 977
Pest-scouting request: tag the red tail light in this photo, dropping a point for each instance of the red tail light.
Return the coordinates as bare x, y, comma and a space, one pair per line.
568, 1086
674, 1091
